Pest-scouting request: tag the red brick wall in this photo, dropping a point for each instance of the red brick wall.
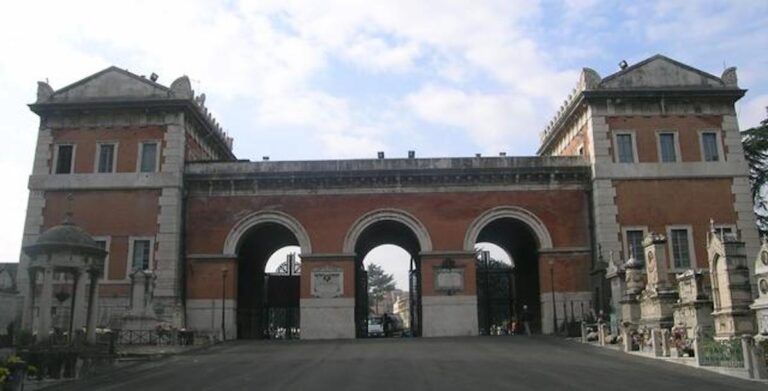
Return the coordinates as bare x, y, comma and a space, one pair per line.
327, 219
659, 203
646, 127
128, 140
119, 214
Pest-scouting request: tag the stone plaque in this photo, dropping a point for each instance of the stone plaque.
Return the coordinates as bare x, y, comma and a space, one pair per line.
449, 280
327, 282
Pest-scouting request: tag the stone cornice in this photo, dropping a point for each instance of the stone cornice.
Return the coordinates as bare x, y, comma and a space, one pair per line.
253, 178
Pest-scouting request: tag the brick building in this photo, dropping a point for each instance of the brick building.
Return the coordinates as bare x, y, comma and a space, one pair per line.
653, 147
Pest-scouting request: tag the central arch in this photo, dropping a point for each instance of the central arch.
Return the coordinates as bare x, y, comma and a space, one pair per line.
509, 297
263, 298
380, 227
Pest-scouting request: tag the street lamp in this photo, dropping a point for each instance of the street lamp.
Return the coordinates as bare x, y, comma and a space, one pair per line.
223, 298
552, 284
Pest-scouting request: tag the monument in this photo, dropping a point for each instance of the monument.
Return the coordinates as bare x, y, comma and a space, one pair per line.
731, 291
693, 312
64, 248
659, 295
760, 306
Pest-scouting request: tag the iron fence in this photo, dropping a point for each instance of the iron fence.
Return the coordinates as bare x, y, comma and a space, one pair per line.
145, 337
728, 353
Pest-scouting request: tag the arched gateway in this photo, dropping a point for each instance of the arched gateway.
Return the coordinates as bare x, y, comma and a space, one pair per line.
435, 209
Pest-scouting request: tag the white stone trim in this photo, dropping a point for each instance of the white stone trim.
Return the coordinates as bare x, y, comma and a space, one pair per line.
54, 163
632, 133
625, 239
117, 180
669, 171
327, 318
158, 153
675, 141
515, 212
398, 215
131, 241
691, 248
42, 164
232, 242
449, 316
720, 150
98, 154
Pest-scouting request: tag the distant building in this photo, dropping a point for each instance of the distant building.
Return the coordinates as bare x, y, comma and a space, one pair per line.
402, 308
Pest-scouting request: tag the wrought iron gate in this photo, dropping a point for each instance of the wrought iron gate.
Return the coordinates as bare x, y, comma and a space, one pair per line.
414, 292
361, 301
495, 296
281, 310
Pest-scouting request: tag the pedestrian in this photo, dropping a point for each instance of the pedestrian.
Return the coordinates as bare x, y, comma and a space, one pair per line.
526, 318
385, 322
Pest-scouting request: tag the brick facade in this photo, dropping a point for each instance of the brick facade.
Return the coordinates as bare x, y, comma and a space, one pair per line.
575, 201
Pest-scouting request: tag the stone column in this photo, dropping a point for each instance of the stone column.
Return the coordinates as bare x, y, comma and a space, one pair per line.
79, 301
28, 314
46, 295
93, 305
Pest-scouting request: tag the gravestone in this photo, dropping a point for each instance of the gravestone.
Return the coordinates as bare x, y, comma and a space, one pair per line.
615, 275
141, 314
694, 308
731, 291
659, 295
760, 306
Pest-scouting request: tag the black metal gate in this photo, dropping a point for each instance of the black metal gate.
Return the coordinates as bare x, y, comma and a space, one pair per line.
361, 301
495, 296
281, 310
414, 299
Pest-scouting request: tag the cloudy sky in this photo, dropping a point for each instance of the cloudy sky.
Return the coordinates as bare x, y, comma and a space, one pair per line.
341, 79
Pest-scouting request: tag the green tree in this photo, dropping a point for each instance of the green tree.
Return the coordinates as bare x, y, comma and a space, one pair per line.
755, 142
379, 283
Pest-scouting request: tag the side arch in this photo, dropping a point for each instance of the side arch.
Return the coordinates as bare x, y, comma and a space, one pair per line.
243, 225
537, 226
401, 216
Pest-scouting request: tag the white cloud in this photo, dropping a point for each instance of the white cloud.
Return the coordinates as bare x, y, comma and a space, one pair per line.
496, 122
753, 111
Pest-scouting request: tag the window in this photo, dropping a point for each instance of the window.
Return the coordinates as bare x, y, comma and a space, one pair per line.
635, 243
625, 148
709, 147
667, 147
64, 157
106, 158
141, 254
148, 157
681, 247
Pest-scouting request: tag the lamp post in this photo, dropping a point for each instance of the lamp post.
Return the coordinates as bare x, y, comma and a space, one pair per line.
223, 298
552, 284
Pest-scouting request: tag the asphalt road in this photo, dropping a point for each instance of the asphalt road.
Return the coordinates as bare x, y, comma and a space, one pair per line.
481, 363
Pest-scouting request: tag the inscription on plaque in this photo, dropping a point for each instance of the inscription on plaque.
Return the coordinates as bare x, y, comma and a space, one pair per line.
449, 280
327, 282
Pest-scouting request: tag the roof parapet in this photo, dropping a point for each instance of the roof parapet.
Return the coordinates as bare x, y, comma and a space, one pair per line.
589, 79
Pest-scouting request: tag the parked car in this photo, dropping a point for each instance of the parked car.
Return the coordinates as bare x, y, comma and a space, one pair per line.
375, 326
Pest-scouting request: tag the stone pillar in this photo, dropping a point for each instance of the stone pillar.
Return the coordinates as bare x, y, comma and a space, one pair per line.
93, 305
141, 315
616, 280
28, 314
656, 342
46, 296
79, 301
327, 305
